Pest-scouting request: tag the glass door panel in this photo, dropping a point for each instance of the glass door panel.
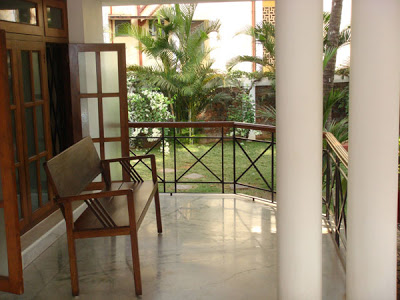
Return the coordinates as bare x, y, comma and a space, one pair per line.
30, 131
111, 117
87, 72
113, 150
33, 185
109, 72
36, 75
90, 117
35, 127
10, 75
40, 129
26, 76
16, 125
43, 182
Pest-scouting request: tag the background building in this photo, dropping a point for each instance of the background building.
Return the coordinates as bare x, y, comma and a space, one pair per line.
234, 18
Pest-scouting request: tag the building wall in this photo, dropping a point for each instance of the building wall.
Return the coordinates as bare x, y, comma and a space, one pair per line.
234, 17
343, 53
132, 52
85, 21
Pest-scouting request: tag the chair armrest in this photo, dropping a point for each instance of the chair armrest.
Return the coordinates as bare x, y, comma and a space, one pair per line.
96, 195
139, 157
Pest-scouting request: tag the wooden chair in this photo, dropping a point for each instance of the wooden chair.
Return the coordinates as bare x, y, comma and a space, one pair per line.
118, 209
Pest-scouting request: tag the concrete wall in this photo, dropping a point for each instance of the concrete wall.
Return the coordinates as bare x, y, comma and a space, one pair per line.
234, 17
85, 21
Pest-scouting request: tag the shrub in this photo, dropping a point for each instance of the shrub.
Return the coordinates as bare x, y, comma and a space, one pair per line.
242, 110
148, 105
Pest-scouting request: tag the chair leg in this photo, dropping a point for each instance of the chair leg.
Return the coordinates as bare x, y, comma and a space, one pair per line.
136, 262
73, 267
71, 250
158, 211
134, 244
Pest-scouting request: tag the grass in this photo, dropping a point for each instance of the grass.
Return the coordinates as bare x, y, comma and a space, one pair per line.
213, 160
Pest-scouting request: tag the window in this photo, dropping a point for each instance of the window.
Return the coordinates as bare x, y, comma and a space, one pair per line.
54, 17
153, 26
122, 27
18, 11
197, 24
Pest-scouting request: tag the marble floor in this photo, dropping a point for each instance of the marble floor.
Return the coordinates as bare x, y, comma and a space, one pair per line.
212, 247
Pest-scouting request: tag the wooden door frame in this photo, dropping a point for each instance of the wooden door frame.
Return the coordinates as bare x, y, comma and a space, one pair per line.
30, 218
14, 282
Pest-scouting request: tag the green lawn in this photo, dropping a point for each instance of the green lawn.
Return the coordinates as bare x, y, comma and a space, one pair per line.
213, 160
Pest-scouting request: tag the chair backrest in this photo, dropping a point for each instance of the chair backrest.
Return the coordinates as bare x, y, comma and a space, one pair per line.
71, 171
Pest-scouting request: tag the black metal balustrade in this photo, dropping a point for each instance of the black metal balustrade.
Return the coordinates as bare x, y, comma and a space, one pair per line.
335, 159
171, 132
335, 197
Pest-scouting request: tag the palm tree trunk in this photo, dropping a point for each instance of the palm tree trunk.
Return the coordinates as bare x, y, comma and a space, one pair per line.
172, 108
333, 41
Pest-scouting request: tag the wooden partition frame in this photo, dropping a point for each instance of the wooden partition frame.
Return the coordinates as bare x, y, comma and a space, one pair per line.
14, 282
76, 96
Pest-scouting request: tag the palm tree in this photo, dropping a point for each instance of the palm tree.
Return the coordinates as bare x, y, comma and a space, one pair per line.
263, 34
182, 69
331, 41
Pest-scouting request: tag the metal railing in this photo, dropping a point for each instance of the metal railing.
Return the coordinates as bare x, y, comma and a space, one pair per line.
335, 196
223, 139
226, 135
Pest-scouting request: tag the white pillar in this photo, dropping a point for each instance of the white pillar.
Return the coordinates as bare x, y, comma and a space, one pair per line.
85, 21
299, 148
373, 150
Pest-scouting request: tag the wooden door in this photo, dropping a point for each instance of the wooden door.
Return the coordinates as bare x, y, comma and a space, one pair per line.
99, 99
10, 247
30, 127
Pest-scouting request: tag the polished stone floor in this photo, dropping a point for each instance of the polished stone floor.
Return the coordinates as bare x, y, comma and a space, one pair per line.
213, 247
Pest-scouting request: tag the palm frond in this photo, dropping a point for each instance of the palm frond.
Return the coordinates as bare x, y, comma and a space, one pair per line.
245, 58
333, 97
268, 112
339, 129
344, 37
328, 55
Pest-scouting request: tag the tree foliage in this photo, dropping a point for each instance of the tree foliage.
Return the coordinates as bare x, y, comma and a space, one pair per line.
182, 68
264, 34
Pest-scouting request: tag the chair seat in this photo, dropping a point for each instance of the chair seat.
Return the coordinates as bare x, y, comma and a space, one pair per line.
117, 206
